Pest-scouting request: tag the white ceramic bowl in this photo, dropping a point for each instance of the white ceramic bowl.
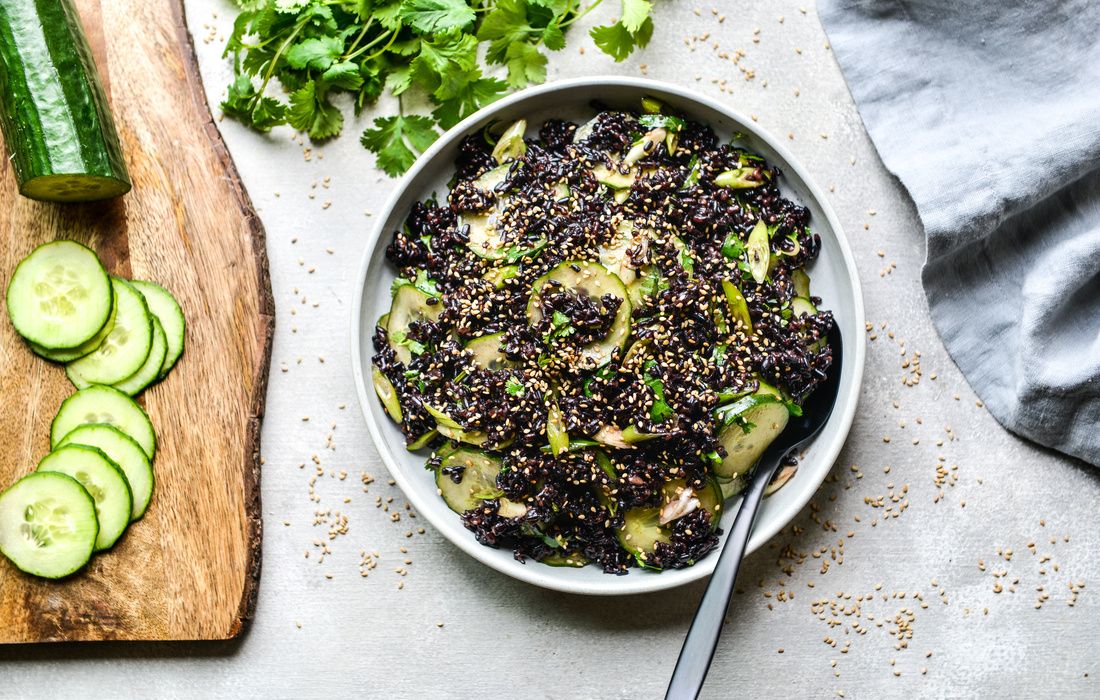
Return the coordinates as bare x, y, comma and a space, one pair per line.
834, 279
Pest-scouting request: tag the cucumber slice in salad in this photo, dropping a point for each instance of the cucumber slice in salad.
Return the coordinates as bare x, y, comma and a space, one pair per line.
387, 394
126, 347
487, 353
746, 440
121, 449
59, 296
477, 479
104, 404
409, 305
63, 356
593, 280
48, 525
150, 371
483, 237
103, 481
167, 310
643, 528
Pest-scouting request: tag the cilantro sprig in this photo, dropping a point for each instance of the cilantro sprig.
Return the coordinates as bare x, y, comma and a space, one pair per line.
318, 49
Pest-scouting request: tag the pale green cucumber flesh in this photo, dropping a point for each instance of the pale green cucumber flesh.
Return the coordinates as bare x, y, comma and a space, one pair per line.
593, 280
104, 404
409, 305
126, 347
743, 448
48, 525
64, 356
59, 296
150, 371
123, 451
476, 483
167, 310
103, 480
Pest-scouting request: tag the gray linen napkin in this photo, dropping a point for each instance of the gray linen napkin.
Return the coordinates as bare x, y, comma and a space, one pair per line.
989, 114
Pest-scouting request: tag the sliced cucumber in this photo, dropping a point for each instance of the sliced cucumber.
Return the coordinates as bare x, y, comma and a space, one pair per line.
477, 482
801, 306
422, 441
497, 276
104, 404
801, 282
592, 280
574, 560
59, 296
409, 305
387, 394
487, 353
484, 235
745, 443
758, 251
449, 428
121, 449
556, 434
150, 372
63, 356
167, 310
731, 487
642, 528
103, 480
48, 525
126, 347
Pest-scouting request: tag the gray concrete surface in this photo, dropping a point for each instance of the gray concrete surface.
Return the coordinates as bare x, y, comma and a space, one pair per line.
884, 555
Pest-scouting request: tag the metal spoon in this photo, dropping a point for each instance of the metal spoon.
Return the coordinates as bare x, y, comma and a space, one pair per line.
702, 638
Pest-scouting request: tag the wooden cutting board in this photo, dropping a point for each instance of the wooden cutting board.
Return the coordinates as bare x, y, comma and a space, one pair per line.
190, 568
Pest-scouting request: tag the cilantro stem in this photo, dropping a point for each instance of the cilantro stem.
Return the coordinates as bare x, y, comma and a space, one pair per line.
275, 59
366, 25
384, 49
574, 18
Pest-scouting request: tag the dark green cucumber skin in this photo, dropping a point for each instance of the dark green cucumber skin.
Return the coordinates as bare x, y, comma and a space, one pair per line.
53, 111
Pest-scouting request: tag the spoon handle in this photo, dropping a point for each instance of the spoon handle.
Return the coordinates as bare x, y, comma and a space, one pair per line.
702, 638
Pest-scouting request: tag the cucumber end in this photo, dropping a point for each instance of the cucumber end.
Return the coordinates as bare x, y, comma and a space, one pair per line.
74, 188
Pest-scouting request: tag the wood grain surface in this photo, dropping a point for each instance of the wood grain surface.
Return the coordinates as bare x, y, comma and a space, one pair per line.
190, 568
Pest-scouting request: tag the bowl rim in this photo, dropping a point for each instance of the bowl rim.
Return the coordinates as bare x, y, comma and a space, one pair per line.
829, 444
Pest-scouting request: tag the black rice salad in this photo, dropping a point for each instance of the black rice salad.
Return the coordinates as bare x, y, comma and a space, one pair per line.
597, 333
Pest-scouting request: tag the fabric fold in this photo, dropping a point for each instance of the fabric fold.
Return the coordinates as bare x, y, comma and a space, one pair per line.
989, 114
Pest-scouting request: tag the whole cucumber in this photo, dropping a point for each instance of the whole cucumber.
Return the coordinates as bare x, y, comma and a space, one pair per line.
57, 125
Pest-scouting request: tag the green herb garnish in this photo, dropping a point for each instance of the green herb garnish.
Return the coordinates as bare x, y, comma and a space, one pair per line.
316, 49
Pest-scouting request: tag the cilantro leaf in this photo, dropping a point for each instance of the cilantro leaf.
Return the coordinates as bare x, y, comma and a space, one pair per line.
344, 75
393, 139
614, 40
472, 97
446, 64
526, 64
317, 49
660, 410
732, 247
428, 16
505, 26
401, 338
320, 52
515, 387
635, 13
311, 112
553, 38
